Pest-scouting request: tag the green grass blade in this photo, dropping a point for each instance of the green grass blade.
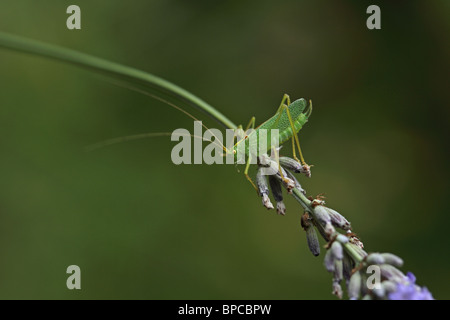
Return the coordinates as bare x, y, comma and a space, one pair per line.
22, 44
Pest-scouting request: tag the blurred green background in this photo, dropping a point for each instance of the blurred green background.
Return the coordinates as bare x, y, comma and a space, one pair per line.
139, 226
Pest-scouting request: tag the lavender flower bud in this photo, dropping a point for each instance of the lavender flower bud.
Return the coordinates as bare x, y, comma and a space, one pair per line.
312, 240
328, 261
375, 258
266, 202
295, 166
342, 239
391, 273
389, 286
354, 286
347, 264
392, 259
324, 219
337, 290
336, 249
338, 220
263, 189
311, 234
275, 185
277, 193
338, 271
364, 289
281, 208
334, 253
291, 164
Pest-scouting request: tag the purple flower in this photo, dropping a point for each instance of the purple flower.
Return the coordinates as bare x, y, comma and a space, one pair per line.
408, 290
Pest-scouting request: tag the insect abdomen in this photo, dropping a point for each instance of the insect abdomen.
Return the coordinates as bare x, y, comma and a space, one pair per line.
282, 122
287, 133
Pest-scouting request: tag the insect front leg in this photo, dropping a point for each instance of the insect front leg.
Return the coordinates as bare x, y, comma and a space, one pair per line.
247, 166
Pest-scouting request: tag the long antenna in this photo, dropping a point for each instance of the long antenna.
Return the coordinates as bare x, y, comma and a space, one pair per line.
26, 45
133, 88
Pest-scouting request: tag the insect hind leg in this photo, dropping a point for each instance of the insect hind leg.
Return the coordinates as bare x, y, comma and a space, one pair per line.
295, 139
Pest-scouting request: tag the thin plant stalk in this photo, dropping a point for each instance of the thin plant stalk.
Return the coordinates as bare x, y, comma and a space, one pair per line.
116, 70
